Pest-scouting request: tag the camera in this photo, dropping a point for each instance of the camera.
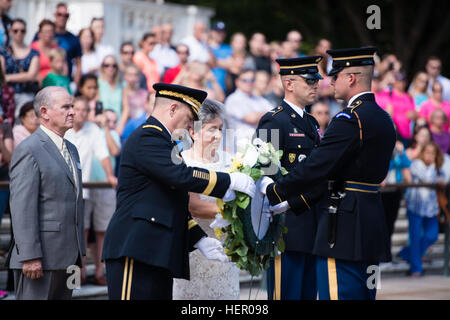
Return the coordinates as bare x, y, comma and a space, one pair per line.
98, 107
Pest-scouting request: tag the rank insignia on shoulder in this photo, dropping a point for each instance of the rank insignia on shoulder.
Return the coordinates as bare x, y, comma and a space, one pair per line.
343, 114
356, 104
276, 110
151, 126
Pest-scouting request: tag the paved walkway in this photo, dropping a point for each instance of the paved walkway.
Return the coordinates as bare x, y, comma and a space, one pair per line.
429, 287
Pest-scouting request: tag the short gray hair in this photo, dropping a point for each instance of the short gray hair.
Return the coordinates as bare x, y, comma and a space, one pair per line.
45, 97
210, 110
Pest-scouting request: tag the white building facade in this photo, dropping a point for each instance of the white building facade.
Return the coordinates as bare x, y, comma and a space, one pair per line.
125, 20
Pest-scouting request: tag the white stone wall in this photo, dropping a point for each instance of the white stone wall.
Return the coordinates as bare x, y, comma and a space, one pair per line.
125, 20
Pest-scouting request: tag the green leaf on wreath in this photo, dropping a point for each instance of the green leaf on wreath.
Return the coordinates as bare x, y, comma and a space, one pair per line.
242, 251
244, 203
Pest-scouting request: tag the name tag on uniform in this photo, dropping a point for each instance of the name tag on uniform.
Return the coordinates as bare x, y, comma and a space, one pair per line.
78, 166
296, 134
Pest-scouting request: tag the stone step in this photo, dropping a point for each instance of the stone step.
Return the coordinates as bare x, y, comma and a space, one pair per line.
398, 267
401, 239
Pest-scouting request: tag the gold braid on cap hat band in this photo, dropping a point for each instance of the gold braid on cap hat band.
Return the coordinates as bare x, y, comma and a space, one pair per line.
189, 100
299, 66
354, 57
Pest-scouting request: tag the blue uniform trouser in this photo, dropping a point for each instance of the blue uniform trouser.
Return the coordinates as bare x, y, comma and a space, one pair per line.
298, 277
423, 232
345, 280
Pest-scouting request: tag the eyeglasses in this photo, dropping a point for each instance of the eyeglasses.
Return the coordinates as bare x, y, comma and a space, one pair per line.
64, 15
128, 52
309, 82
15, 31
109, 65
248, 80
183, 52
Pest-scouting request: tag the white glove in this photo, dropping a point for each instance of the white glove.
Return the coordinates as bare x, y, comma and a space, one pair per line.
229, 195
212, 249
271, 211
219, 222
243, 183
279, 208
265, 181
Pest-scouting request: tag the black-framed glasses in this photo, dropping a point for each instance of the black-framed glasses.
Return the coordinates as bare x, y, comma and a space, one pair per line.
109, 65
15, 31
309, 82
128, 52
64, 15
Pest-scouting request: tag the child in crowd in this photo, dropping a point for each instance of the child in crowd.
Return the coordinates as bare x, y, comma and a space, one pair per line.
88, 89
422, 207
56, 76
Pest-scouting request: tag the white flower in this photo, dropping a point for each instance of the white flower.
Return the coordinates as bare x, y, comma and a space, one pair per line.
261, 145
250, 156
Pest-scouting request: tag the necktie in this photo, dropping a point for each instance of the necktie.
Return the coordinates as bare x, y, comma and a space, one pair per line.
66, 155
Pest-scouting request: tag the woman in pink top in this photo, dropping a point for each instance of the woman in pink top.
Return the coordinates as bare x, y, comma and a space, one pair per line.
147, 65
399, 105
44, 45
435, 102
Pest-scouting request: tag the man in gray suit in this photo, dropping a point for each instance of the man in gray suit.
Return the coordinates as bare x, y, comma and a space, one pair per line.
46, 203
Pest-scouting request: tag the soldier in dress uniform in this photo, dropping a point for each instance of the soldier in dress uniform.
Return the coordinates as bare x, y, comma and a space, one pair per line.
291, 129
151, 232
353, 157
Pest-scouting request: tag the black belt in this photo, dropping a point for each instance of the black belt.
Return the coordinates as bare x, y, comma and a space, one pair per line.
357, 186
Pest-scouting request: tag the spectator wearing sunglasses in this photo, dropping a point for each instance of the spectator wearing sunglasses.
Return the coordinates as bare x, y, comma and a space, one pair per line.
148, 66
243, 109
126, 59
109, 86
21, 65
68, 41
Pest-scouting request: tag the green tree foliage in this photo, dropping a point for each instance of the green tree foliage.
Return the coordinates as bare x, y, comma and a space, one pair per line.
411, 29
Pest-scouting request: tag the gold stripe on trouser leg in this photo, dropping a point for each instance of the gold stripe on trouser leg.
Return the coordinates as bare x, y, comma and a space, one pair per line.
277, 295
332, 279
130, 276
124, 283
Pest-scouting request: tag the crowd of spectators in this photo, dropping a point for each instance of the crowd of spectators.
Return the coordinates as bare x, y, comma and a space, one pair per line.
114, 91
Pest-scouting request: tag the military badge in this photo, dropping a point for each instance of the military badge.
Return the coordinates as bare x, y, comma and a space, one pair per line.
292, 157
